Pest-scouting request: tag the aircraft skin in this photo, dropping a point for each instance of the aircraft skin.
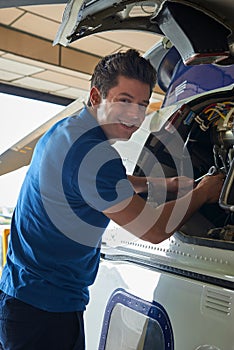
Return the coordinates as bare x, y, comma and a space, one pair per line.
178, 294
192, 80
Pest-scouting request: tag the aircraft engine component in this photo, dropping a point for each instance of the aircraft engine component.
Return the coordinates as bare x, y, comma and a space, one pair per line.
206, 141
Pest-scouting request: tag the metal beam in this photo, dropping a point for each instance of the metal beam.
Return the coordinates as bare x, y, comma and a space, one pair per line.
16, 3
34, 94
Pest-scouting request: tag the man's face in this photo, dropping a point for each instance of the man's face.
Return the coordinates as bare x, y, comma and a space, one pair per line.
123, 110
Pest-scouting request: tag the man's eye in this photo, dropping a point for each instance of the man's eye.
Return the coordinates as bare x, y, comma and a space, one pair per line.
124, 100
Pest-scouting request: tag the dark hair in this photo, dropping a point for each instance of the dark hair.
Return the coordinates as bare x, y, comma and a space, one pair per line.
128, 64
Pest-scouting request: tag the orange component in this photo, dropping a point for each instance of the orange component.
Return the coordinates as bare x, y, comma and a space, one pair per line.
5, 235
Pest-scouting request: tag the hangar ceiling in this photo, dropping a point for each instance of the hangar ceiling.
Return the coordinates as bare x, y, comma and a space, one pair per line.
29, 60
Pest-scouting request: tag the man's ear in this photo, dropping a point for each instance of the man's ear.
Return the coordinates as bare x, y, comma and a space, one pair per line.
95, 97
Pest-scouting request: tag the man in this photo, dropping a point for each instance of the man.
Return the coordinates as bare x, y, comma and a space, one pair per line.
76, 183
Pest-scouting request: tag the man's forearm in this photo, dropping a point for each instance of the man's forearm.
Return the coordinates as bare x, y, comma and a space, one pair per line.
172, 215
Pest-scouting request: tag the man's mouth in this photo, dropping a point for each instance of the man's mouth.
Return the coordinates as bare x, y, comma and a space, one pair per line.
128, 125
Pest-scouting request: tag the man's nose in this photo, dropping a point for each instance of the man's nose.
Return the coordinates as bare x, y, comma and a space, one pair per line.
136, 111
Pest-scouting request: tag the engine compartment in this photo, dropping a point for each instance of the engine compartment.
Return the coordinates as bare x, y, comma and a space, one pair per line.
197, 138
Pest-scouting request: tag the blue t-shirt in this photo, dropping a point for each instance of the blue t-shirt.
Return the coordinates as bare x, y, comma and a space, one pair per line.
57, 226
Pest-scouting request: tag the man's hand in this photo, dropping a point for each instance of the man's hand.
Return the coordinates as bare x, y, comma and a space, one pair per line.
211, 185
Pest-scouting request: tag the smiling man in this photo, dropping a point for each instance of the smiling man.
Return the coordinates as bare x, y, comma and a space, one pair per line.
75, 184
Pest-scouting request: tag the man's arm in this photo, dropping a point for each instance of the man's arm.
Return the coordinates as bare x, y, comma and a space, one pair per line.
170, 184
157, 224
